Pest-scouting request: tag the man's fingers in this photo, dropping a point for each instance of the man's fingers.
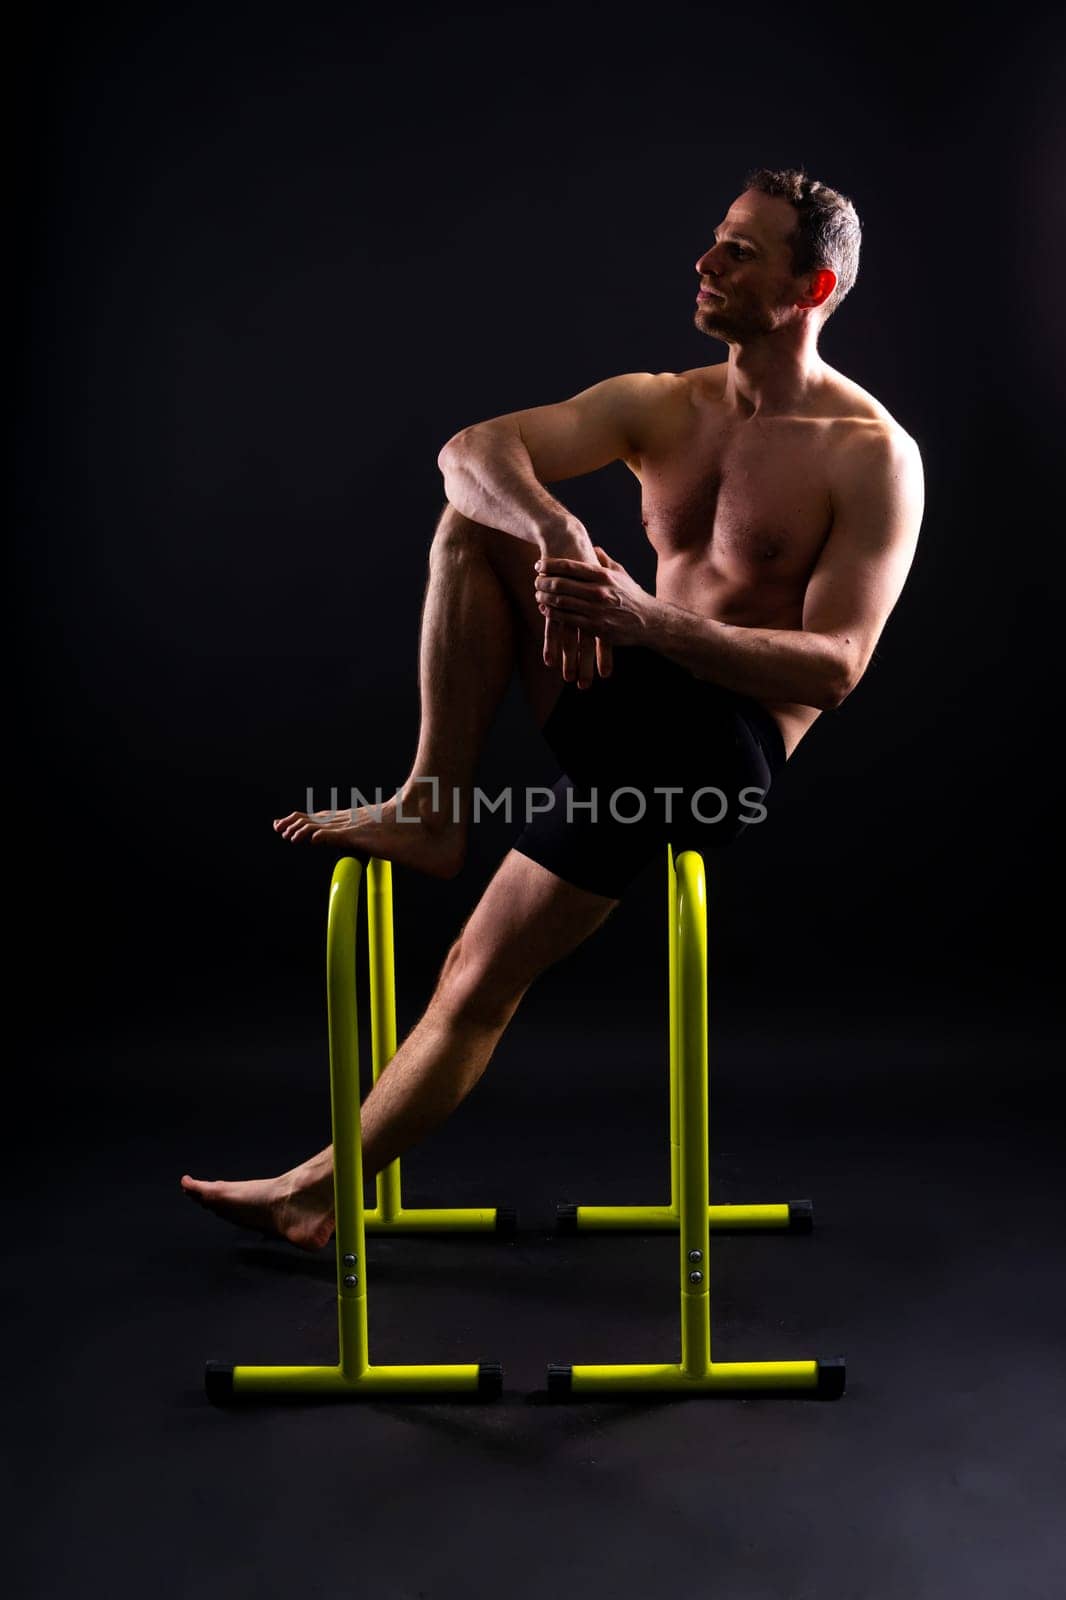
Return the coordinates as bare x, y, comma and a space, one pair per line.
563, 565
579, 650
575, 613
561, 645
551, 641
571, 651
586, 670
554, 640
550, 586
604, 657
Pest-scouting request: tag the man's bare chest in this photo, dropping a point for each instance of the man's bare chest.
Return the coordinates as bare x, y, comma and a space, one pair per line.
750, 502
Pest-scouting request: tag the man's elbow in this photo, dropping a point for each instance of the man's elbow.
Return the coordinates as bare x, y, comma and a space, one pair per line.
450, 465
845, 671
833, 697
446, 449
472, 437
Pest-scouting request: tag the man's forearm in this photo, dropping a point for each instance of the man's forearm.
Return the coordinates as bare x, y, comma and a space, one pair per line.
489, 477
763, 663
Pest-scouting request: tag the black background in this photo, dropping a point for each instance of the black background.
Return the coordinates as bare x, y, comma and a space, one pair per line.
273, 257
278, 256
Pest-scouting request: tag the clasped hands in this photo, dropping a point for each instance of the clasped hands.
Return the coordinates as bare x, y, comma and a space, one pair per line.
588, 607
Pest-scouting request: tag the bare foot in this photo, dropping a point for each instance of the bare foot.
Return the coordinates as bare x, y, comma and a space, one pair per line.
276, 1206
430, 841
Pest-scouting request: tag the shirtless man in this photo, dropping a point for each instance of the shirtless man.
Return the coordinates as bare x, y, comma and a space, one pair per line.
783, 503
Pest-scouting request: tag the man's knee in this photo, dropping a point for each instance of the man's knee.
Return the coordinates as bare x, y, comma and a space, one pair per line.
478, 988
472, 996
458, 533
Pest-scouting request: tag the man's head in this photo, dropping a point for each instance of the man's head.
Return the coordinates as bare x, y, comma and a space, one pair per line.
787, 250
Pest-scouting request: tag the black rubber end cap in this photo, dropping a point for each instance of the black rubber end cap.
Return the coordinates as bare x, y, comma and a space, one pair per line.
218, 1381
800, 1216
506, 1221
831, 1378
566, 1219
489, 1380
560, 1385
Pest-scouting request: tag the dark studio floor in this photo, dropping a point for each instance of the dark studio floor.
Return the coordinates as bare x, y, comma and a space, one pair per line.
935, 1267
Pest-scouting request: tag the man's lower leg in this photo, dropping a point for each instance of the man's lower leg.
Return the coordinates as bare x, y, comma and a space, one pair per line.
467, 653
430, 1075
465, 660
444, 1056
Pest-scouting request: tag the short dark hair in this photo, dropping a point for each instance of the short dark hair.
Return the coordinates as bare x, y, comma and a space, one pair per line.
827, 232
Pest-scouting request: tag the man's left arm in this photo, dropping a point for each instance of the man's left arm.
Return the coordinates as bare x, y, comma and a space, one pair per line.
878, 499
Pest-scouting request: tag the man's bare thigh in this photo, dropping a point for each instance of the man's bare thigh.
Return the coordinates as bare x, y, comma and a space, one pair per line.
512, 561
527, 919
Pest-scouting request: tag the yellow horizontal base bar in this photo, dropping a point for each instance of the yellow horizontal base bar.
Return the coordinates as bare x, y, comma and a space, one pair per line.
437, 1219
374, 1381
668, 1218
724, 1376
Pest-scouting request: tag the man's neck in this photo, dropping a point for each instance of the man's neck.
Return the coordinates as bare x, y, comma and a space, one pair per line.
773, 377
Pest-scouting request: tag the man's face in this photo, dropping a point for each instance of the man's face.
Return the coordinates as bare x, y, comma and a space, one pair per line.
750, 267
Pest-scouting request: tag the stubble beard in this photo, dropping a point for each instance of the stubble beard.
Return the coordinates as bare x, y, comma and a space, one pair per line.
719, 321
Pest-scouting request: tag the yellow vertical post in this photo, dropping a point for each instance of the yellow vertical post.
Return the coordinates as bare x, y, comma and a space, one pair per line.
383, 1011
691, 958
675, 1136
344, 1105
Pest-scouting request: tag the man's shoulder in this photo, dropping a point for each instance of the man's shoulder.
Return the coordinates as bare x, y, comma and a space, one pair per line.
872, 456
865, 426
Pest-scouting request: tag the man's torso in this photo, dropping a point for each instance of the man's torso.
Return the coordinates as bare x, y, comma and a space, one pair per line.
738, 511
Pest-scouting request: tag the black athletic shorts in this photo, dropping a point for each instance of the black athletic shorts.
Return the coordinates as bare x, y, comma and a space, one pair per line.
649, 726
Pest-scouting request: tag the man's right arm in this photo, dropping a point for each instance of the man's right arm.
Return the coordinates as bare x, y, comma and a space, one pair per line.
494, 472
